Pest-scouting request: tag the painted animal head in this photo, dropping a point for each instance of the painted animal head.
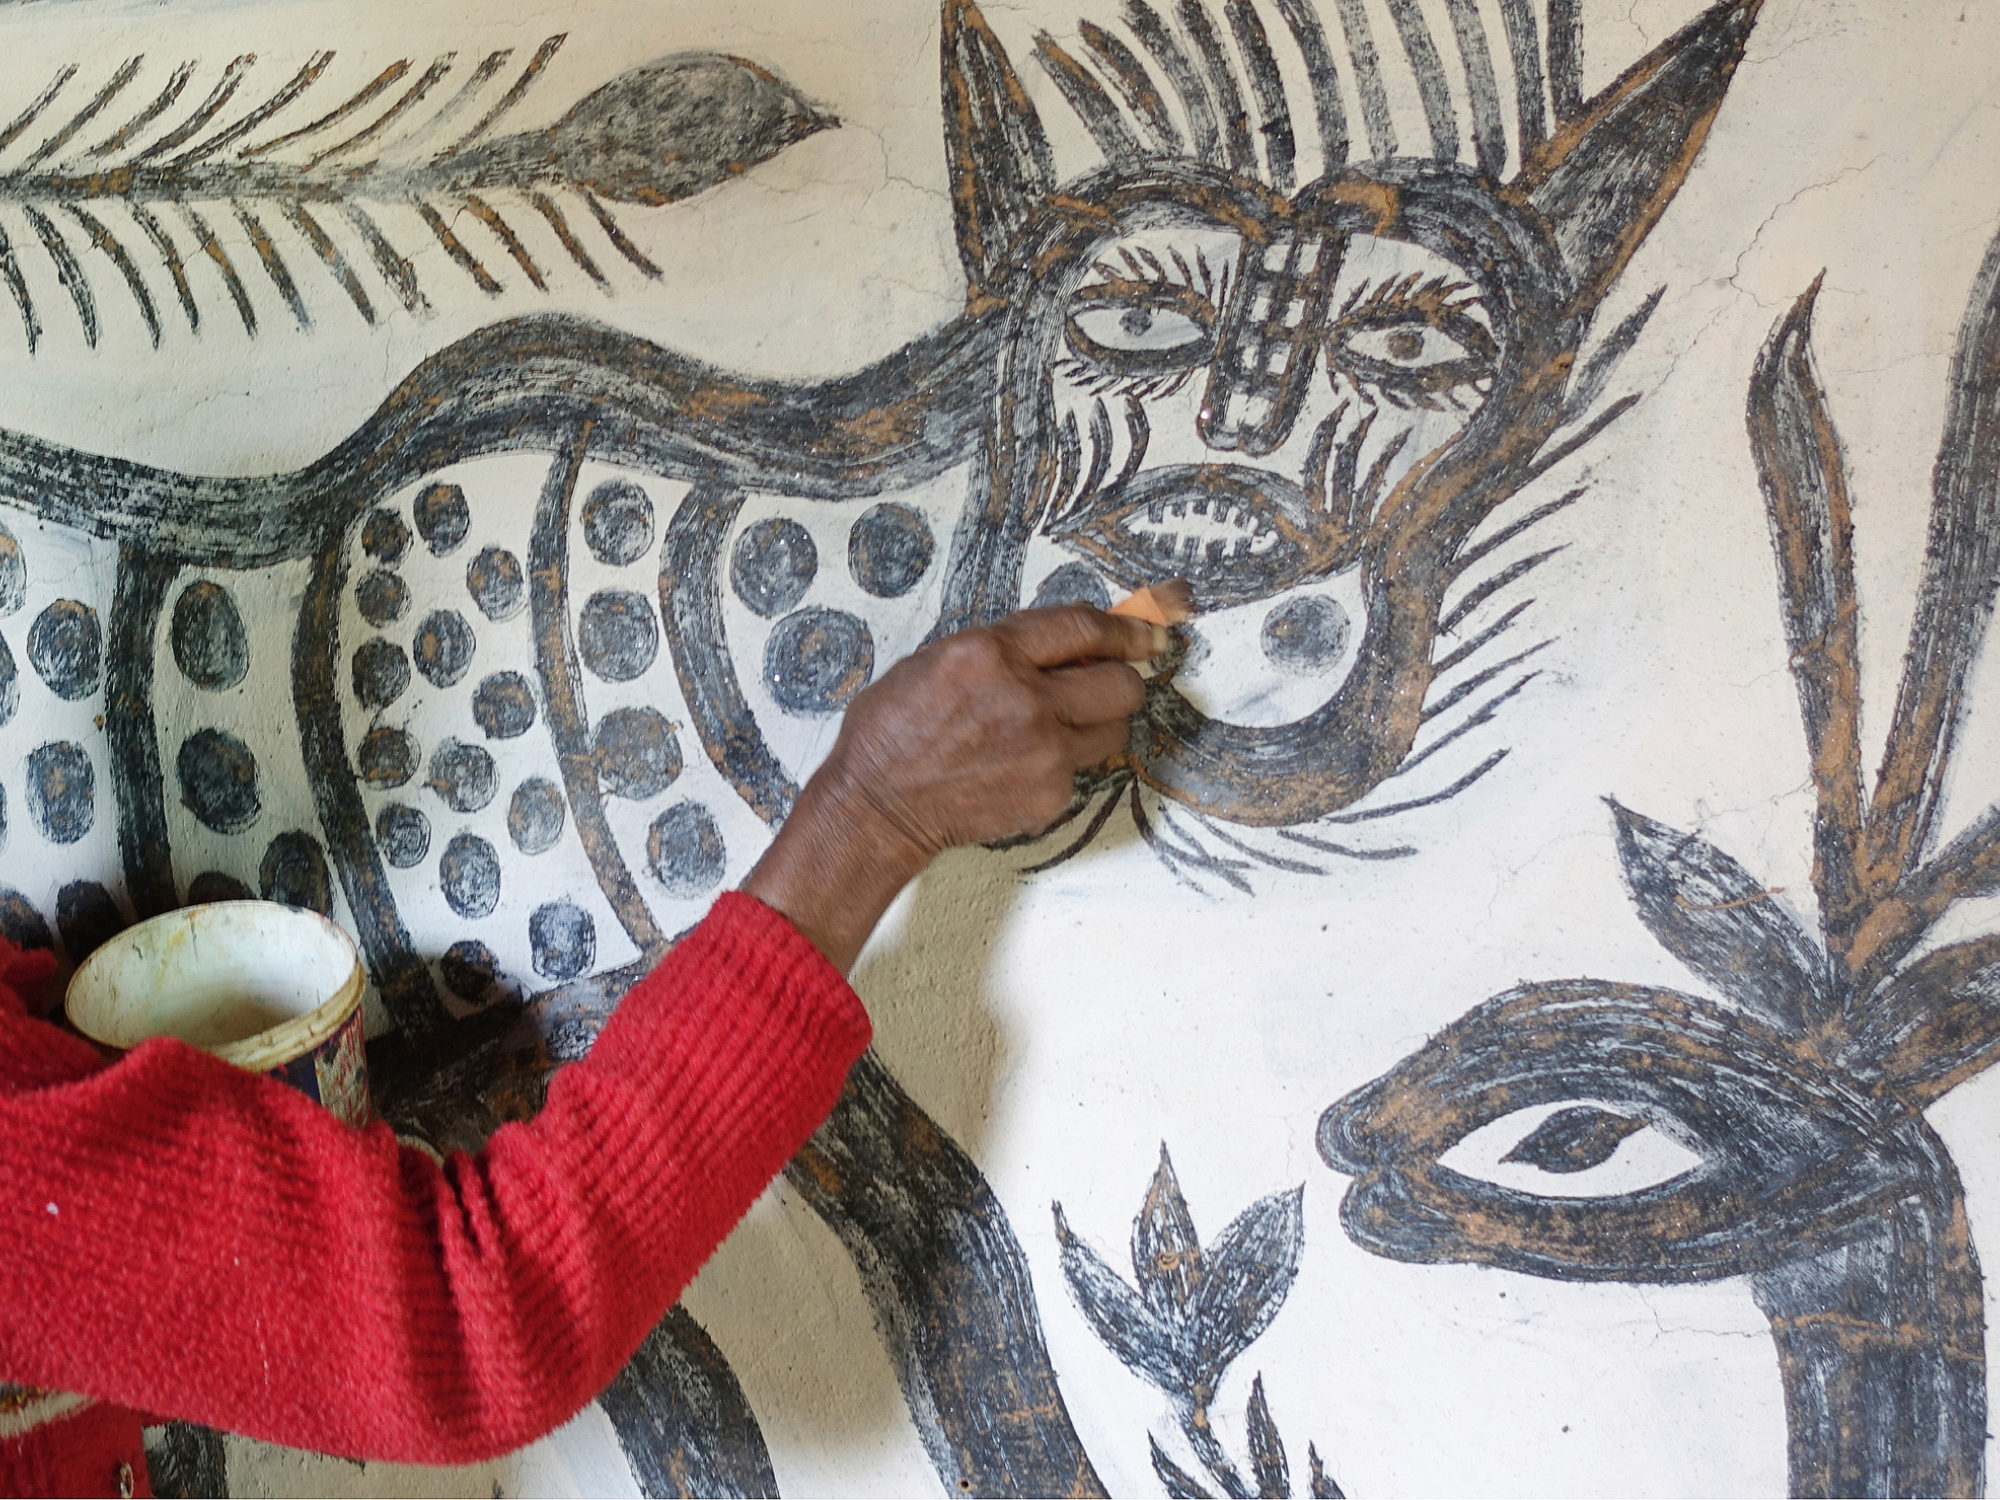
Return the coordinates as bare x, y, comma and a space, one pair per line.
1588, 1130
1303, 397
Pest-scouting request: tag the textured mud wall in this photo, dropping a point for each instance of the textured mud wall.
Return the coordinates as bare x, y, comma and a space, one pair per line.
1517, 1020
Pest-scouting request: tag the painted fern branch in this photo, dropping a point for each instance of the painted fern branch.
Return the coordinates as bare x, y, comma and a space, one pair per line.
125, 183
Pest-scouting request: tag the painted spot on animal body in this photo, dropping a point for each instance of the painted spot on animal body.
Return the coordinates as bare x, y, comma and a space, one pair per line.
1073, 583
10, 683
684, 850
386, 757
443, 647
218, 776
496, 583
213, 885
618, 523
381, 672
503, 706
382, 597
462, 775
403, 834
1305, 635
13, 574
384, 536
294, 871
66, 648
562, 940
442, 518
469, 876
62, 791
87, 917
617, 634
535, 816
209, 643
20, 923
889, 550
637, 753
817, 660
469, 969
772, 566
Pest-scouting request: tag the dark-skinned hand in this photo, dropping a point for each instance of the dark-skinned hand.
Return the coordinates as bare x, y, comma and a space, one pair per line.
975, 737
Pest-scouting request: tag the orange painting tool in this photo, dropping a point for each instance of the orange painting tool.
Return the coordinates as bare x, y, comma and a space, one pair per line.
1168, 603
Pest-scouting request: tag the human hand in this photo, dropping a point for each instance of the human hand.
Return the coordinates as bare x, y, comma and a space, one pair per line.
975, 737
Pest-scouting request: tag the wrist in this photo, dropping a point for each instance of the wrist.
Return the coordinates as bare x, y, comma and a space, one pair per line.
835, 866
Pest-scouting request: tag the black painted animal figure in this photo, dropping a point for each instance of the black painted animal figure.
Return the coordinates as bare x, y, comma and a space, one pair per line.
1795, 1088
563, 623
1304, 397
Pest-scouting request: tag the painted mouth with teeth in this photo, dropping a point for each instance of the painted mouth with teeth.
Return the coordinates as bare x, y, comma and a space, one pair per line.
1234, 533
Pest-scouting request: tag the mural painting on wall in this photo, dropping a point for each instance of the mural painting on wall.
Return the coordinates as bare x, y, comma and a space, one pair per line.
567, 619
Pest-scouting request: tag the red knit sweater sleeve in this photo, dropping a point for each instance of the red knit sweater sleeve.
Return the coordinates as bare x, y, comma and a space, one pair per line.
188, 1239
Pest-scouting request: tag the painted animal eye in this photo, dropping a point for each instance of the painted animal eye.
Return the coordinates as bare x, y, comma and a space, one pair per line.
1141, 328
1412, 346
1590, 1150
1416, 344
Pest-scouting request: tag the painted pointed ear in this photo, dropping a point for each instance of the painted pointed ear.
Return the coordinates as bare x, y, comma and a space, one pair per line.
1607, 175
998, 157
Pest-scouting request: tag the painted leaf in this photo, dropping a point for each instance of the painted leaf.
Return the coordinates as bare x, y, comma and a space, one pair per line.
1119, 1317
1166, 1252
1934, 1025
655, 134
1708, 911
1250, 1268
1180, 1485
1575, 1139
1323, 1487
1955, 598
1267, 1449
1804, 479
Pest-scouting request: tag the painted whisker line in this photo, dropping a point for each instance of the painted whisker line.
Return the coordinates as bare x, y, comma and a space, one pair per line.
1394, 809
1478, 595
1263, 856
1346, 851
1485, 637
1479, 679
1076, 846
1595, 371
1138, 435
1485, 548
1484, 715
1589, 433
1175, 858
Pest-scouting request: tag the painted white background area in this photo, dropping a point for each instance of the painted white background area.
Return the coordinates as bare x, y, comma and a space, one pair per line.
1062, 1028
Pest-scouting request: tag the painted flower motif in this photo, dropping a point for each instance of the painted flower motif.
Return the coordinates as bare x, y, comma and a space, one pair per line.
1189, 1312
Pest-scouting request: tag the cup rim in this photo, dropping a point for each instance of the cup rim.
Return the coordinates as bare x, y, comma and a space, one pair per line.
261, 1051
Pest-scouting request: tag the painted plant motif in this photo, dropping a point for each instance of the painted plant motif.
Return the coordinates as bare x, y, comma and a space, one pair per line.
1784, 1108
424, 147
566, 620
1195, 1309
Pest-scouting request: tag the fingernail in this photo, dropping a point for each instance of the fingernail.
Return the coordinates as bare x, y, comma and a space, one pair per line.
1161, 640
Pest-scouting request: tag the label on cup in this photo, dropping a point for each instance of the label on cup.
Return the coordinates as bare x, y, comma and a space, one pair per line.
335, 1073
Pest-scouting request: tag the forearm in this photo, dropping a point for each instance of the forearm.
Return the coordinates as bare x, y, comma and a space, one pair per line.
221, 1249
834, 867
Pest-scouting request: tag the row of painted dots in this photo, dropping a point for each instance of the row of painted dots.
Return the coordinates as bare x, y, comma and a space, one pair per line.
637, 754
